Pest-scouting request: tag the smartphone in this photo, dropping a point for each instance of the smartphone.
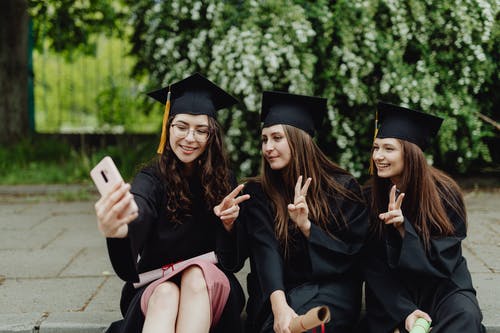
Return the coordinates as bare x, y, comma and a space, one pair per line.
105, 175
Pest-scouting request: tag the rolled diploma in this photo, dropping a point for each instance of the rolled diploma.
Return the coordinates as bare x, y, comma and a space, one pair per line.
312, 318
146, 277
421, 326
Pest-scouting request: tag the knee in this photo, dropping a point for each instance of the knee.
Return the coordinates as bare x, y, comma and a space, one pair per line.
469, 315
193, 280
164, 296
461, 309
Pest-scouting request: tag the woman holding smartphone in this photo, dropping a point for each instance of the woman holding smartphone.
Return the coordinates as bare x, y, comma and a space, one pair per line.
186, 207
414, 266
305, 223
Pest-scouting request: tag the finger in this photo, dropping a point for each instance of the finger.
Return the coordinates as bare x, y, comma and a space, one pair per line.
226, 217
382, 216
391, 214
304, 189
241, 198
299, 199
395, 220
217, 210
126, 219
225, 203
109, 199
119, 208
392, 195
422, 314
106, 203
301, 205
118, 195
111, 227
112, 190
291, 208
399, 201
231, 210
410, 322
235, 192
298, 185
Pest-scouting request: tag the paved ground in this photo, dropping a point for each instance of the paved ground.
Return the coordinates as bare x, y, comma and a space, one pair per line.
55, 275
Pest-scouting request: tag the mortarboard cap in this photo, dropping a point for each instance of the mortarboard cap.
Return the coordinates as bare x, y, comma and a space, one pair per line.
195, 95
304, 112
406, 124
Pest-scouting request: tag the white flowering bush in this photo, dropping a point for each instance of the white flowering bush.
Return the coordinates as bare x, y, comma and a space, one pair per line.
440, 57
245, 47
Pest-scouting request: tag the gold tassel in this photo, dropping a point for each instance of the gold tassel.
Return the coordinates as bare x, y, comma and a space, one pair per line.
163, 138
371, 170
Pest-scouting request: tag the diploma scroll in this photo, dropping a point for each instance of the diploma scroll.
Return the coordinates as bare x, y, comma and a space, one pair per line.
421, 326
311, 319
171, 269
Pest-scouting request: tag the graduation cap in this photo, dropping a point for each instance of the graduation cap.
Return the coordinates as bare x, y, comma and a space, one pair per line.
193, 95
304, 112
406, 124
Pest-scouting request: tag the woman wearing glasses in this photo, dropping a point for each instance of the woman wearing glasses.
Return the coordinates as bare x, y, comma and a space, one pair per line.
187, 205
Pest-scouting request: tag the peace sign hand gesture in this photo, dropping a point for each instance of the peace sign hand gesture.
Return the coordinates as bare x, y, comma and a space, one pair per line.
394, 214
228, 210
299, 211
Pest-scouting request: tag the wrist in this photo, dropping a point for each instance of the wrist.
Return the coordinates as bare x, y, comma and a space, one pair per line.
228, 225
278, 300
305, 228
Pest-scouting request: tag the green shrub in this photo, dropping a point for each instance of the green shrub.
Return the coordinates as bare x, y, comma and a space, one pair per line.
438, 57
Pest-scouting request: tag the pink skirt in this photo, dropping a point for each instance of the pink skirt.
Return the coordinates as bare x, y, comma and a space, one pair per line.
217, 285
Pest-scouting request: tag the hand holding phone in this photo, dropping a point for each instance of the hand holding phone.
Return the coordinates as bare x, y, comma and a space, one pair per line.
105, 175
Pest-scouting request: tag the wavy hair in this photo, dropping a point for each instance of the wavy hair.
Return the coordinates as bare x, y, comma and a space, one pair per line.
428, 191
212, 169
309, 161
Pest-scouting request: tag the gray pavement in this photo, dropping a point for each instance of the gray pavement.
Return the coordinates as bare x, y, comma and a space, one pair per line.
55, 275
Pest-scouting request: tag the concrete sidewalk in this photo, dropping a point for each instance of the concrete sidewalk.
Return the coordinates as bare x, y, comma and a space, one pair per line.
55, 274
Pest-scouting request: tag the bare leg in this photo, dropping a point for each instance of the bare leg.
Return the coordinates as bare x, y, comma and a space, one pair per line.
162, 309
194, 307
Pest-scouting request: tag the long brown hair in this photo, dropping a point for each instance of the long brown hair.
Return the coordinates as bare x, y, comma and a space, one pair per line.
212, 169
427, 192
309, 161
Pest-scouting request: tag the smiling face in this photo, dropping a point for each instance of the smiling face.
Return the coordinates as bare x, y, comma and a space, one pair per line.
275, 147
388, 158
186, 137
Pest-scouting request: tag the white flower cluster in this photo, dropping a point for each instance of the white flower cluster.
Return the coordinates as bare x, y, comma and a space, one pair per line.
431, 55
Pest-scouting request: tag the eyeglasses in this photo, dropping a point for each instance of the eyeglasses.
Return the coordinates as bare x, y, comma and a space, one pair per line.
199, 134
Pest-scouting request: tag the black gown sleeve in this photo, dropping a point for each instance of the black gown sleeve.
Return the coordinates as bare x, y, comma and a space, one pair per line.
231, 247
265, 249
334, 255
388, 302
228, 245
385, 294
124, 252
445, 253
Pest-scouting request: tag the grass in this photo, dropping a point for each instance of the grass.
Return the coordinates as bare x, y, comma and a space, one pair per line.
55, 161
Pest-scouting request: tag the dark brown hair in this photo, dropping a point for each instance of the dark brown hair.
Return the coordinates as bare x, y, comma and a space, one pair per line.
309, 161
427, 192
212, 169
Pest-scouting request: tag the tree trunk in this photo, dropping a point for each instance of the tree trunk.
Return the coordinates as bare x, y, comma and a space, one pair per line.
14, 120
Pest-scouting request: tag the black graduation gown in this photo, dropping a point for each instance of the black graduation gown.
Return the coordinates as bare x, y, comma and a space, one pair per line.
160, 242
320, 270
401, 277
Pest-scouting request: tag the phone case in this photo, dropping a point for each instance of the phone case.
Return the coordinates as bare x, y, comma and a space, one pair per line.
105, 175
